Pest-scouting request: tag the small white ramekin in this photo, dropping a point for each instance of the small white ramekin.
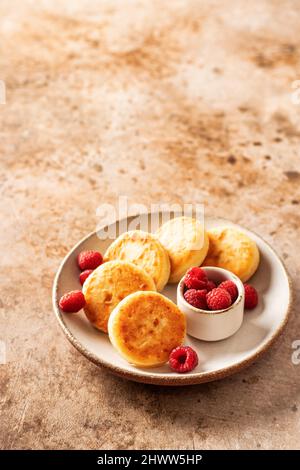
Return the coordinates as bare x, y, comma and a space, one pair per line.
213, 325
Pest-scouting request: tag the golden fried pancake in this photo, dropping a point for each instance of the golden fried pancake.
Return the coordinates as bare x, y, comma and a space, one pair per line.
145, 327
231, 249
145, 250
108, 285
186, 242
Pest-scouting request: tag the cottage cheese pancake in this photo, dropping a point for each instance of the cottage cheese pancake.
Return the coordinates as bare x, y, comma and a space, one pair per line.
186, 242
108, 285
145, 327
145, 250
232, 249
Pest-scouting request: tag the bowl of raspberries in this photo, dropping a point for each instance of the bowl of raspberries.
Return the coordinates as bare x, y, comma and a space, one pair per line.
213, 300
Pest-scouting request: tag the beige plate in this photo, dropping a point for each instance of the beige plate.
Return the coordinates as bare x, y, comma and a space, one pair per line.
217, 359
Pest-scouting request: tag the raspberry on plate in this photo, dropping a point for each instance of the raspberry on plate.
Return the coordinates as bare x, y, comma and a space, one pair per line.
72, 301
210, 286
218, 299
183, 359
195, 278
196, 298
89, 259
84, 275
251, 296
231, 287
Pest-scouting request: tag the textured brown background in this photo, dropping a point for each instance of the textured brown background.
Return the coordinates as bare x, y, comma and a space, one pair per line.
162, 101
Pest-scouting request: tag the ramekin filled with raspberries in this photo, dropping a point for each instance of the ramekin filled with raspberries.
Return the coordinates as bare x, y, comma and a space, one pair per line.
213, 300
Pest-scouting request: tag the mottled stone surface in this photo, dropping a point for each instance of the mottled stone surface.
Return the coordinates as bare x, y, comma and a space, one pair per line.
182, 101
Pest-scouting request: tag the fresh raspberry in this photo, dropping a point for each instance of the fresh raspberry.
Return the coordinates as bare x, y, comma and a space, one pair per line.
195, 278
196, 298
183, 359
251, 296
210, 286
89, 260
231, 287
84, 275
72, 301
218, 299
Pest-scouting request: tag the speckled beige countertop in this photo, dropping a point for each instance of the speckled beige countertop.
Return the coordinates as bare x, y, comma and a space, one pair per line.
162, 101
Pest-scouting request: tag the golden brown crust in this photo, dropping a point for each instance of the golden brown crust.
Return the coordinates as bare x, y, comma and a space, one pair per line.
145, 327
186, 242
234, 250
145, 250
108, 285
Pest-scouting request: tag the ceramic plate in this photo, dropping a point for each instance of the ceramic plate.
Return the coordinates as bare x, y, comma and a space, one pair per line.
217, 359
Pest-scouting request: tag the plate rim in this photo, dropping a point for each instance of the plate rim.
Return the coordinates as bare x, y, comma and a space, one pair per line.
180, 380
